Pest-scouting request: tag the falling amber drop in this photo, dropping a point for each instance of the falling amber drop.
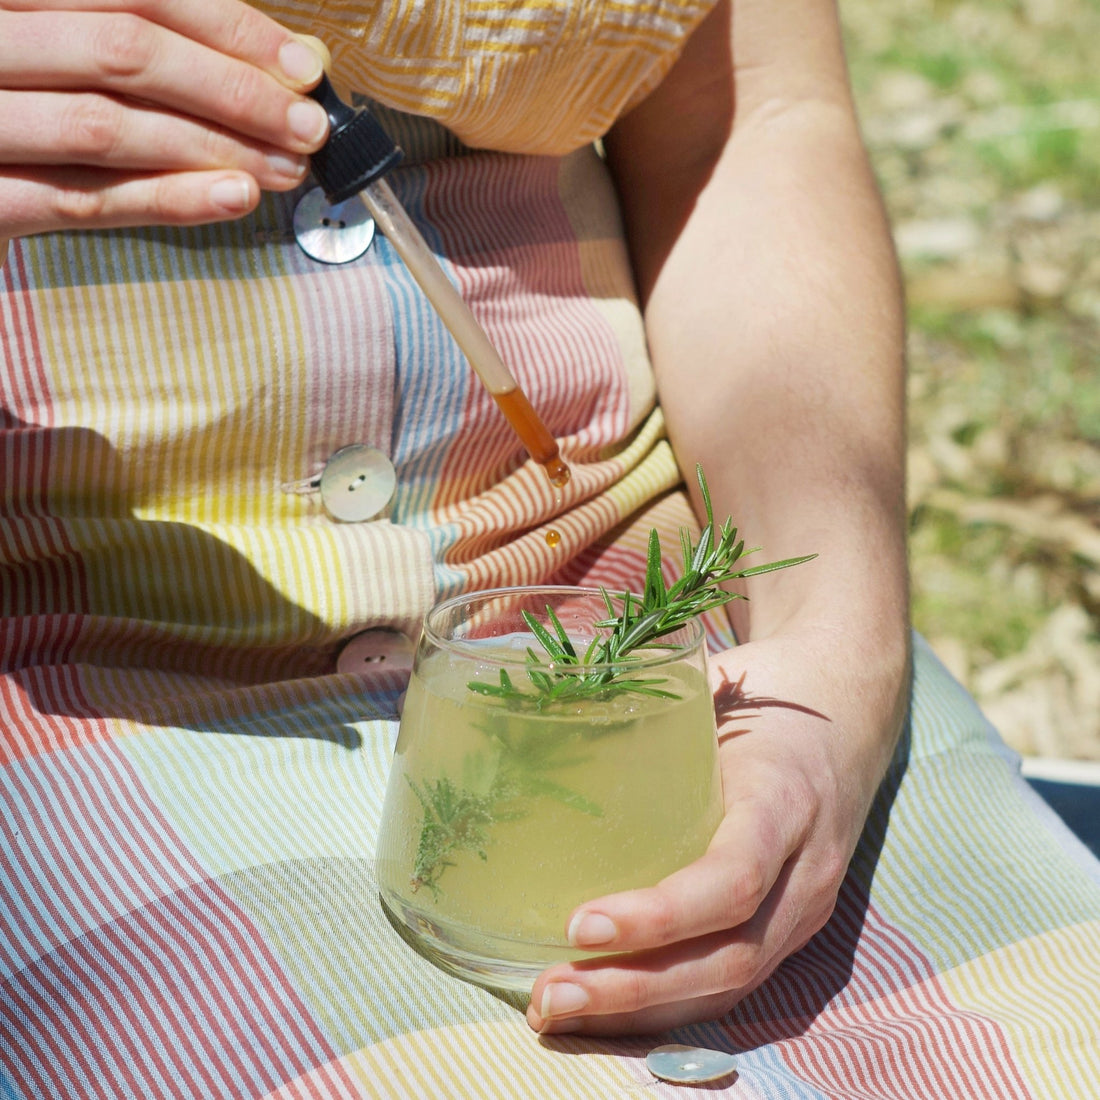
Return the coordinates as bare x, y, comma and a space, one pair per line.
557, 471
552, 538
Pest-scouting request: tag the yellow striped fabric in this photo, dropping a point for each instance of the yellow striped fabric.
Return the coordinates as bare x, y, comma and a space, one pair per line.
1033, 989
487, 69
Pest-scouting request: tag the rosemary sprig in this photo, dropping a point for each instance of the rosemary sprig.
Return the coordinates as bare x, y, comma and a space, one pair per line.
458, 817
496, 787
606, 664
454, 820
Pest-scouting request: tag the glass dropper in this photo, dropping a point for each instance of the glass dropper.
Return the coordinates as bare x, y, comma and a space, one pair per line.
352, 162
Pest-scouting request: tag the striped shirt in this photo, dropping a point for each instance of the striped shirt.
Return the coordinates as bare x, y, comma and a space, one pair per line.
164, 387
530, 76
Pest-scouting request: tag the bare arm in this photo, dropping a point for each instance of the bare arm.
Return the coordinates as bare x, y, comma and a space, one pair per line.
772, 289
774, 316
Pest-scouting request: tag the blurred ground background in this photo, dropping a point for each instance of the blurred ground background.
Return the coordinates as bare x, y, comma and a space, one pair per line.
983, 118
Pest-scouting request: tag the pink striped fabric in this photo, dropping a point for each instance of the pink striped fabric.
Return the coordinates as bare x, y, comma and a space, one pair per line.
847, 1021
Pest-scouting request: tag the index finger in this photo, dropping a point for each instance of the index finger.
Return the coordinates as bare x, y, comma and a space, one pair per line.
231, 27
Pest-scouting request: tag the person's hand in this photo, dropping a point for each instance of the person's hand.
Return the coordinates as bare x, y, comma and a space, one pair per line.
148, 112
804, 743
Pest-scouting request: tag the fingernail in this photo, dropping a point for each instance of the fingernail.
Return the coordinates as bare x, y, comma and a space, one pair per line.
284, 164
591, 930
299, 62
561, 999
231, 195
307, 121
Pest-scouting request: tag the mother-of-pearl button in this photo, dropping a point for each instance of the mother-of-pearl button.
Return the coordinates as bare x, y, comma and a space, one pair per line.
357, 483
333, 233
689, 1065
376, 651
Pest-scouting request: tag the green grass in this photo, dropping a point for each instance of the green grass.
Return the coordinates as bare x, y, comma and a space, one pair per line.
1005, 401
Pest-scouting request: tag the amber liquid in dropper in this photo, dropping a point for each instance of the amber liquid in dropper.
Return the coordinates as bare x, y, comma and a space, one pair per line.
390, 216
540, 444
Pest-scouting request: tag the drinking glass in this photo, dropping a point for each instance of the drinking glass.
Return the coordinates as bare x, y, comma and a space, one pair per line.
523, 785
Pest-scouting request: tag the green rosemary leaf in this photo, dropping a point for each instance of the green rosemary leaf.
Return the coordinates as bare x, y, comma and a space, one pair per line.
655, 592
635, 688
756, 570
688, 581
620, 625
642, 630
608, 604
704, 490
685, 548
542, 680
544, 637
563, 638
501, 691
592, 650
701, 559
540, 785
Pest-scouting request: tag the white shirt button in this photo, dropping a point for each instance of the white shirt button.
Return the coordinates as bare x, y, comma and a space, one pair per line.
690, 1065
378, 654
333, 233
357, 483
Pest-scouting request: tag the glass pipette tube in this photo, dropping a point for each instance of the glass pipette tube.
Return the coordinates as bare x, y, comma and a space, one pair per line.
391, 217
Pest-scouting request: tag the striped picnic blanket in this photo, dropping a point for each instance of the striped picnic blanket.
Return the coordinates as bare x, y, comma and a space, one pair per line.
192, 911
190, 788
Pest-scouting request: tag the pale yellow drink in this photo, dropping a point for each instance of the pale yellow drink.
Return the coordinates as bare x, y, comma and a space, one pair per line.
501, 818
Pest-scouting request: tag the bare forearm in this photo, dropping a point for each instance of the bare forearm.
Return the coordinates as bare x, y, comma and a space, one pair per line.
775, 323
782, 306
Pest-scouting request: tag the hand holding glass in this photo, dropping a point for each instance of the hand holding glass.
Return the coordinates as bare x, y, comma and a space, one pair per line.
524, 785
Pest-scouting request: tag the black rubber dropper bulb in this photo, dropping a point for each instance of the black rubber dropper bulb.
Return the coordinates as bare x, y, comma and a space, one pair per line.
357, 152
